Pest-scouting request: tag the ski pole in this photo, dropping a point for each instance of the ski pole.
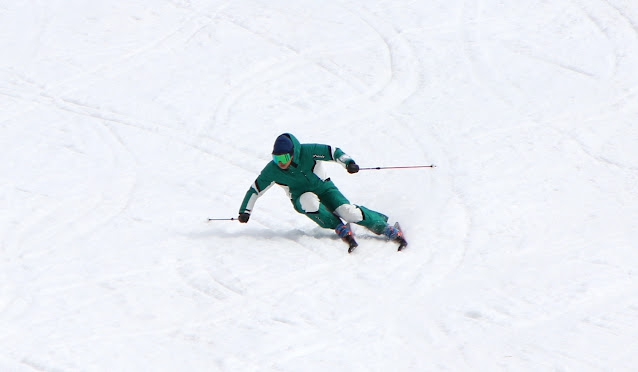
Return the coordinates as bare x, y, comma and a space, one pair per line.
405, 167
223, 219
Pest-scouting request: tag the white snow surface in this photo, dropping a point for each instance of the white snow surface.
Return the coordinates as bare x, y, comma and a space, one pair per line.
125, 125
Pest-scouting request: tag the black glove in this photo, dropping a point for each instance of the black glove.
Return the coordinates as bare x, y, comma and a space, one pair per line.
352, 167
243, 217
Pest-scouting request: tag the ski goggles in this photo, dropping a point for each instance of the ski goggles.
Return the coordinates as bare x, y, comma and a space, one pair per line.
283, 158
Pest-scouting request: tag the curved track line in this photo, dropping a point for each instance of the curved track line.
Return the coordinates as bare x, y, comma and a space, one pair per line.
632, 23
99, 205
403, 75
148, 47
486, 73
603, 30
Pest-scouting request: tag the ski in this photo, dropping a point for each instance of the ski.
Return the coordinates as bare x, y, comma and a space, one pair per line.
400, 239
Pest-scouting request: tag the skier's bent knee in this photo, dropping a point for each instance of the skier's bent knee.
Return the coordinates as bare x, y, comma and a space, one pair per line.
350, 213
309, 202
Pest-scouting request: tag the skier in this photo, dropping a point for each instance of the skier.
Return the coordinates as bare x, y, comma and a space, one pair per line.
298, 169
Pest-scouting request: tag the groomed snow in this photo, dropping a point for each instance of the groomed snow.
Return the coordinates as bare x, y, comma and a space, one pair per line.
125, 125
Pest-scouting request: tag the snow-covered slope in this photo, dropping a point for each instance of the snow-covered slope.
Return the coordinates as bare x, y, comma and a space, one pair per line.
125, 125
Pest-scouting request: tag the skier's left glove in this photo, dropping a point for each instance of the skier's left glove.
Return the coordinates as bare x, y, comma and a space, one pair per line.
244, 217
352, 167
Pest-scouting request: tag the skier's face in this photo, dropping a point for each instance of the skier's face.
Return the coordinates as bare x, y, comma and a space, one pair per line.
283, 161
286, 165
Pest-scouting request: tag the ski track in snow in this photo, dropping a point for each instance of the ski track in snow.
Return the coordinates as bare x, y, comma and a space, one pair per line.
95, 209
105, 263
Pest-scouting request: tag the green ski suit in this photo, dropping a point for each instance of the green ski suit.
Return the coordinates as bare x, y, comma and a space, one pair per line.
310, 190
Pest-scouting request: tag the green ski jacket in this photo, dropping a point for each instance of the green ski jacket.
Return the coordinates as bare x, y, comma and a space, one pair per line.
306, 173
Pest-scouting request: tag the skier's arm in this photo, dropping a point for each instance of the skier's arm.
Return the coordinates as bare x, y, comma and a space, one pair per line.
257, 189
345, 160
329, 153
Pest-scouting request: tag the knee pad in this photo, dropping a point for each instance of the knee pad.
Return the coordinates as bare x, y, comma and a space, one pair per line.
350, 213
309, 202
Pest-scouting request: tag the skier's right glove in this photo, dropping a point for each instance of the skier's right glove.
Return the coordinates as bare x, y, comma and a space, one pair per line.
352, 167
243, 217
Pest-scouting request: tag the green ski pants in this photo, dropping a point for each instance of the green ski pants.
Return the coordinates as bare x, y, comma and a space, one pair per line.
328, 206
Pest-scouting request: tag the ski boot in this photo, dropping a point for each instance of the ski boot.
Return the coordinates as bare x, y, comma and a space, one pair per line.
345, 233
395, 234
